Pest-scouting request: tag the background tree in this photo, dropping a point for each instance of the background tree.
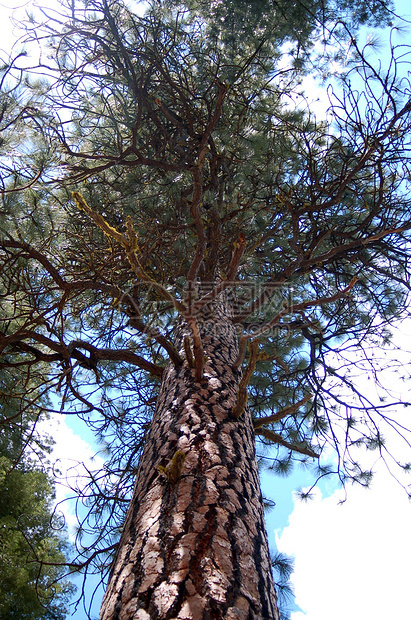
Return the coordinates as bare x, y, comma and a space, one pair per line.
192, 230
34, 547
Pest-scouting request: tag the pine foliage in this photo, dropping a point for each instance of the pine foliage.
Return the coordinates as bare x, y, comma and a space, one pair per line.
167, 160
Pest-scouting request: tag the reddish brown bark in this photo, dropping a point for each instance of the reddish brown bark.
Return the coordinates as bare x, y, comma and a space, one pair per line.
194, 544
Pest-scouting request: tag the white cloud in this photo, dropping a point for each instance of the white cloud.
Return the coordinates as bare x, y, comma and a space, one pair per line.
352, 560
72, 457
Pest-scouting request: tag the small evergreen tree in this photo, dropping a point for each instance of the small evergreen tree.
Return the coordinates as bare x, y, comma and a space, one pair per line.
33, 552
34, 547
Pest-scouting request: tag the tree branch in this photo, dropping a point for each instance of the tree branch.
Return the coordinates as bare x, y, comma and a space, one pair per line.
276, 438
276, 417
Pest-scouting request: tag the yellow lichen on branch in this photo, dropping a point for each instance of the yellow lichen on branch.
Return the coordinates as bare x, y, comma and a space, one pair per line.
130, 245
173, 471
99, 220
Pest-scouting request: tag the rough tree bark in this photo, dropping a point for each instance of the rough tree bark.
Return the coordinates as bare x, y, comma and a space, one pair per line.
194, 544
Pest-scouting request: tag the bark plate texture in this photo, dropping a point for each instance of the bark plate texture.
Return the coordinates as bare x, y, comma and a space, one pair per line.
194, 545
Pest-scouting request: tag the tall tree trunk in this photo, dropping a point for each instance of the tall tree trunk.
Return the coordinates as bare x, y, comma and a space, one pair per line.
194, 544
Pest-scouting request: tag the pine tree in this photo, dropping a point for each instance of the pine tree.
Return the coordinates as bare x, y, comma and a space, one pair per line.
34, 548
193, 263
